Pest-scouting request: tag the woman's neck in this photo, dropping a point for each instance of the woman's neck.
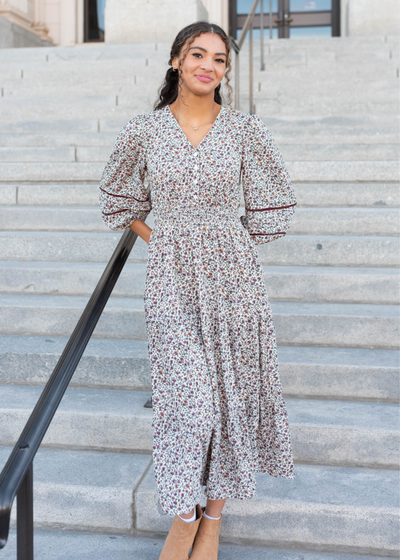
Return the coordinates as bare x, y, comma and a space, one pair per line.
194, 109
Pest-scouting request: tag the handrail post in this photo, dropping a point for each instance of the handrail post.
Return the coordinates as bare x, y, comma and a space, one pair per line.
237, 80
251, 68
262, 65
270, 19
25, 517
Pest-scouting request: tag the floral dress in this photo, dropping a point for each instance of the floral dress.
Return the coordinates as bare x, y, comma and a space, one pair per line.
218, 412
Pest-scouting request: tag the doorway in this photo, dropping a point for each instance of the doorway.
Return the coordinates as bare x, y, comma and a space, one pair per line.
94, 21
290, 18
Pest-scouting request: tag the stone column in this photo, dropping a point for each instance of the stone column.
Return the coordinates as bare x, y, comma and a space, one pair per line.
135, 21
68, 20
218, 13
39, 16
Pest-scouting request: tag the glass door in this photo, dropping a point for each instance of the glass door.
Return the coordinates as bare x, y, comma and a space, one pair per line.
290, 18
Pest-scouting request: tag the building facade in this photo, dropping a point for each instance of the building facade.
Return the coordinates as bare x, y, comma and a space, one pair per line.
72, 22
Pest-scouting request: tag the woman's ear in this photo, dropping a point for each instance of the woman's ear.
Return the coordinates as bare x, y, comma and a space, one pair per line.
175, 63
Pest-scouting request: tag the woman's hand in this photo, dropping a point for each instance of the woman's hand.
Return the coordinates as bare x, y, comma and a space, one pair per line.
143, 230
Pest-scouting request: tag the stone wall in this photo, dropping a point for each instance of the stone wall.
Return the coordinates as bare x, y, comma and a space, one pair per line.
133, 21
370, 17
13, 35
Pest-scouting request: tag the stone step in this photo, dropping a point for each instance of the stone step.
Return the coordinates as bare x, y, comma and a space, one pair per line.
380, 91
150, 71
323, 123
330, 134
305, 108
332, 284
373, 142
375, 127
87, 52
49, 109
59, 154
109, 107
308, 51
132, 86
342, 221
331, 250
279, 77
342, 44
319, 67
325, 221
324, 508
135, 91
58, 126
301, 171
376, 46
309, 324
362, 194
276, 84
285, 283
290, 152
52, 171
343, 508
315, 78
147, 56
334, 432
313, 46
59, 545
61, 140
52, 218
310, 250
305, 372
85, 490
342, 171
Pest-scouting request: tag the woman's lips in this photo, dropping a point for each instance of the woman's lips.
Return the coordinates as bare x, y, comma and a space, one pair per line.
203, 78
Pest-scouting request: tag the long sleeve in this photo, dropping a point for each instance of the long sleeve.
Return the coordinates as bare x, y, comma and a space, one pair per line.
122, 195
267, 189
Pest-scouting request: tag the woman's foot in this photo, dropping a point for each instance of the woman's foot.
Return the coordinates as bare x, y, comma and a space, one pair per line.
180, 537
206, 543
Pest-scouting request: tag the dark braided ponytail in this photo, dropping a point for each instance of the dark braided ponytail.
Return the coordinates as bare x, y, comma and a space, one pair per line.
168, 92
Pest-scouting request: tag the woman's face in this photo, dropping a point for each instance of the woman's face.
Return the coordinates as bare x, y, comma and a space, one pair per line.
204, 66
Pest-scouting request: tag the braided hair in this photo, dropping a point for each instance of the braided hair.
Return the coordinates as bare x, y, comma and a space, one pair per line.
168, 92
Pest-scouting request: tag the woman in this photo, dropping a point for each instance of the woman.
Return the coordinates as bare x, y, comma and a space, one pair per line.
218, 412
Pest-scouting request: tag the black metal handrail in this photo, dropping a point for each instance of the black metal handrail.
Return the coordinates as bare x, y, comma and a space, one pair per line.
16, 479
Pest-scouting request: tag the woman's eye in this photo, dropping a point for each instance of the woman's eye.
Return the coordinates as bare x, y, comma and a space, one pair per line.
217, 59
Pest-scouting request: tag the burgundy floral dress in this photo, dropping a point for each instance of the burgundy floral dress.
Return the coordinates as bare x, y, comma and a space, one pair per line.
218, 412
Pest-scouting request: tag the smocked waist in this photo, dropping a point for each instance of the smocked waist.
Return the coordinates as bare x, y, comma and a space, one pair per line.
198, 213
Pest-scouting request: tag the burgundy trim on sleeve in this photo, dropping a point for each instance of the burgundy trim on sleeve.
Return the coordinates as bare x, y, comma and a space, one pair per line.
116, 212
275, 233
123, 196
270, 208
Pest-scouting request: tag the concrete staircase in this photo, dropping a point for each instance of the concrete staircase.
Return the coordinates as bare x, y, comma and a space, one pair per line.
333, 109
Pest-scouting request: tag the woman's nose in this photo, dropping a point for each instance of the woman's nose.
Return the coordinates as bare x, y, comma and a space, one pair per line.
206, 65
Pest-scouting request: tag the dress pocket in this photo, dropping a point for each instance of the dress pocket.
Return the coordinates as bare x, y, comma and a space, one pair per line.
151, 238
250, 239
150, 247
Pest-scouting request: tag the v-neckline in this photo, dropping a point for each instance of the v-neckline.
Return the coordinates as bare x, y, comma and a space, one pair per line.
204, 137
